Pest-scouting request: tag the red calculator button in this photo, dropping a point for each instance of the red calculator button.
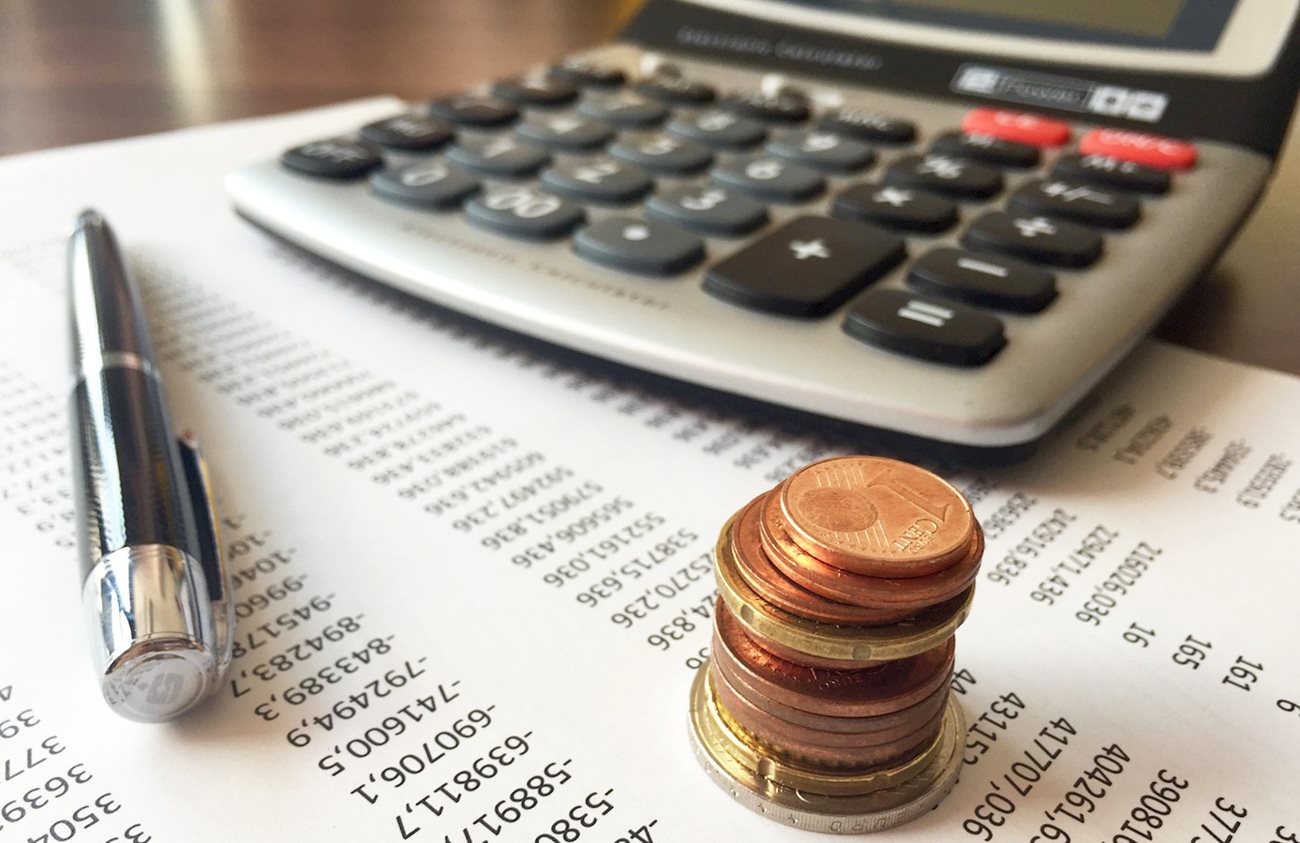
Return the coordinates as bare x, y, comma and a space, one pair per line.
1140, 148
1018, 126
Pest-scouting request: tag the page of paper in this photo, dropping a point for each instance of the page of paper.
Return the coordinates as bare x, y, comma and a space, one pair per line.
473, 578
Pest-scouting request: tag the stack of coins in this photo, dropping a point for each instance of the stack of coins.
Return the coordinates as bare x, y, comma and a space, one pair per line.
826, 700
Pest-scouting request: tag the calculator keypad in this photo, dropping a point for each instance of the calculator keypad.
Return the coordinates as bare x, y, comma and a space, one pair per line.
707, 161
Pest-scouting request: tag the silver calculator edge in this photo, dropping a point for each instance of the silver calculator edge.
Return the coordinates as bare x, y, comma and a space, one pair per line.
671, 327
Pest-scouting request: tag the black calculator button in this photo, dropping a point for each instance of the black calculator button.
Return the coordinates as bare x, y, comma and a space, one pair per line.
889, 205
331, 159
919, 326
415, 132
536, 90
719, 128
473, 110
1037, 238
643, 246
782, 108
807, 267
565, 131
823, 150
426, 184
501, 156
589, 73
601, 182
983, 279
708, 209
770, 178
1075, 201
662, 153
525, 212
946, 174
986, 148
867, 124
676, 89
625, 110
1112, 172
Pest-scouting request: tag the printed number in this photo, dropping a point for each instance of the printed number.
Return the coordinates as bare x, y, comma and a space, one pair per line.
523, 202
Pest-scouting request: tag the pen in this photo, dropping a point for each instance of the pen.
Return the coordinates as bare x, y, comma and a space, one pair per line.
154, 584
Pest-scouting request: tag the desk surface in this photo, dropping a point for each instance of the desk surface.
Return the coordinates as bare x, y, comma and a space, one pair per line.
73, 72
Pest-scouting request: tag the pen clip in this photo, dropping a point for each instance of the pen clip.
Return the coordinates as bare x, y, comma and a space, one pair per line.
213, 562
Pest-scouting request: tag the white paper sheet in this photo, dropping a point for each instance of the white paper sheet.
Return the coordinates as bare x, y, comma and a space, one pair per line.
473, 577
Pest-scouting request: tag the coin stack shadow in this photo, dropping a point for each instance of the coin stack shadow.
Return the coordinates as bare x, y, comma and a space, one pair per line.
826, 702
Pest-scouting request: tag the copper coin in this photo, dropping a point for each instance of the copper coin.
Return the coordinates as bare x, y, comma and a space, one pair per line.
792, 654
865, 692
761, 575
876, 516
912, 593
886, 726
784, 732
818, 749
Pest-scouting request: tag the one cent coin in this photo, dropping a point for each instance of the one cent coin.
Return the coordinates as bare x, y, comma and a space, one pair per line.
827, 750
758, 572
895, 724
876, 516
877, 592
865, 692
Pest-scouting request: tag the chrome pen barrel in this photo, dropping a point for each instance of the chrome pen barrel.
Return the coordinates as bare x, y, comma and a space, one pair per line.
152, 582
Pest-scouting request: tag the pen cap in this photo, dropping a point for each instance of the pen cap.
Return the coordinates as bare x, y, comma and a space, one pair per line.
161, 619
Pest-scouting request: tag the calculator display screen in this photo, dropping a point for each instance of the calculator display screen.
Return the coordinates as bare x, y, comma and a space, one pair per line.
1170, 24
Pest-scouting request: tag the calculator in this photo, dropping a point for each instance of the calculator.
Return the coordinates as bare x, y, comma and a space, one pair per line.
942, 218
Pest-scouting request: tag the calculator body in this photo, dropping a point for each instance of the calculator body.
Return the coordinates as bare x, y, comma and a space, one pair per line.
1227, 96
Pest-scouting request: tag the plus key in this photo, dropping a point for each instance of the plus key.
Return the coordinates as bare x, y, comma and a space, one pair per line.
808, 267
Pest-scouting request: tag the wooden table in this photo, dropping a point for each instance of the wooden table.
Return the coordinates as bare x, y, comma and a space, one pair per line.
73, 71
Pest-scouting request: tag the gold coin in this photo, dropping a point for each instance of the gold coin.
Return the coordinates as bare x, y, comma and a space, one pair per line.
842, 812
862, 645
707, 717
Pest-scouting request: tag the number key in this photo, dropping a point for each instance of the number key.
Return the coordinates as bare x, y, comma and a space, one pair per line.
523, 212
708, 209
603, 182
498, 156
426, 184
770, 178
